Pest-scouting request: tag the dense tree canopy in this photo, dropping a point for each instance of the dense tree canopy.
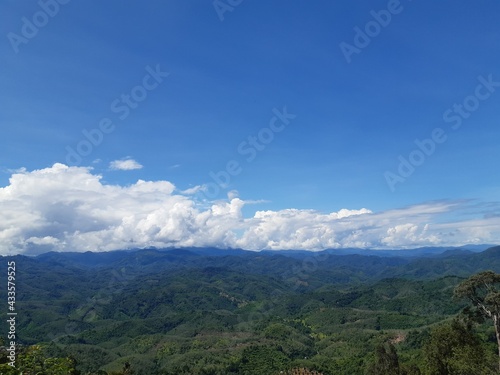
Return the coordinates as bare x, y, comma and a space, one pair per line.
222, 317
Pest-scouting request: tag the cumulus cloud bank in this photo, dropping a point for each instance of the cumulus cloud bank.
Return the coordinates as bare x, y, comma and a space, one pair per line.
65, 208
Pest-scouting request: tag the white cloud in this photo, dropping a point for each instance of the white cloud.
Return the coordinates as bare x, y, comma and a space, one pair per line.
193, 190
69, 209
124, 165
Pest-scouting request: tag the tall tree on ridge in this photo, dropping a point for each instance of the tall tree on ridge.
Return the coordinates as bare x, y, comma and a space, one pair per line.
483, 290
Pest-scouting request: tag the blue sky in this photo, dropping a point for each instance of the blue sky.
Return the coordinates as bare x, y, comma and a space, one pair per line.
353, 119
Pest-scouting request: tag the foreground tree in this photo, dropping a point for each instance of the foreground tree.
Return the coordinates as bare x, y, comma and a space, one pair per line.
483, 290
455, 349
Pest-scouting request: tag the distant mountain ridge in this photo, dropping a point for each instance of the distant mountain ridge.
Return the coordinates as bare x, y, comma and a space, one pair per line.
100, 259
329, 266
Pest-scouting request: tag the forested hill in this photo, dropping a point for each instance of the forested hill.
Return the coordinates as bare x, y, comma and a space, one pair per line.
210, 311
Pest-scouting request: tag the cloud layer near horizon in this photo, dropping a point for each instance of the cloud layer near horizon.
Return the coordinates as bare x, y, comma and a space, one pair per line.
65, 208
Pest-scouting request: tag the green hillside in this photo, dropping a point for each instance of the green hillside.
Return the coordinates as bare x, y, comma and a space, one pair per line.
181, 312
